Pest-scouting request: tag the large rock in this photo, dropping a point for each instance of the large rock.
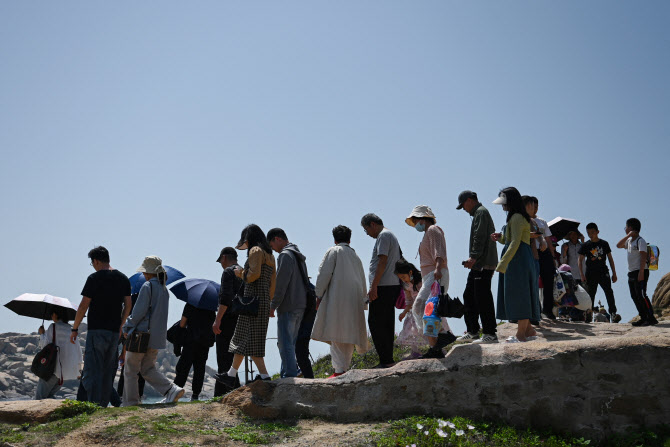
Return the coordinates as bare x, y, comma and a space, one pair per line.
661, 299
588, 379
18, 412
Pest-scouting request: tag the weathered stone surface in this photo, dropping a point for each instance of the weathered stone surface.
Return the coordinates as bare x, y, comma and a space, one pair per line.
18, 412
661, 299
588, 379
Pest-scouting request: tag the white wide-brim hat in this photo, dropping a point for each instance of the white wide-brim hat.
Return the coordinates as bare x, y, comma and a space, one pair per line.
420, 211
151, 264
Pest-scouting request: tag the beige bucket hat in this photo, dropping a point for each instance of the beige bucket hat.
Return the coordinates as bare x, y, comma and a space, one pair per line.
151, 264
420, 211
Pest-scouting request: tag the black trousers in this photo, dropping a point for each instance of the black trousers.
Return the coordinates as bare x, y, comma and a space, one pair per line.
381, 319
192, 355
602, 279
478, 301
224, 359
302, 344
638, 292
547, 272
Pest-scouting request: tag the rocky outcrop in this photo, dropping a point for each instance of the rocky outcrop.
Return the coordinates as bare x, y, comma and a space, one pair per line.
661, 299
18, 383
587, 379
18, 412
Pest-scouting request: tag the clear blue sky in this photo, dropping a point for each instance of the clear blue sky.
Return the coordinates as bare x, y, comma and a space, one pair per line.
164, 127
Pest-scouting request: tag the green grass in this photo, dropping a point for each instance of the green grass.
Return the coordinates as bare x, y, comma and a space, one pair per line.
255, 434
423, 431
70, 408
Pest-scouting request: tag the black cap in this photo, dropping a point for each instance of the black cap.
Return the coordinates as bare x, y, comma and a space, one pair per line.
465, 195
228, 251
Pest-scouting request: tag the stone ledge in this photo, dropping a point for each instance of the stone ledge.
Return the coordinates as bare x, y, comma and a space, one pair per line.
21, 411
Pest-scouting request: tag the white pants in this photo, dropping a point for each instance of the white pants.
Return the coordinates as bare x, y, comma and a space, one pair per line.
340, 354
423, 295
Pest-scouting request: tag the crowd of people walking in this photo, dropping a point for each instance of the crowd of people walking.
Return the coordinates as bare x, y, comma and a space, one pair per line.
333, 310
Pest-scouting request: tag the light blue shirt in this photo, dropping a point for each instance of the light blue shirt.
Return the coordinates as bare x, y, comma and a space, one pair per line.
154, 295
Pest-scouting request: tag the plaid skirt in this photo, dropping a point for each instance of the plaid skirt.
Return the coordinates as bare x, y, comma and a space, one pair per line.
250, 332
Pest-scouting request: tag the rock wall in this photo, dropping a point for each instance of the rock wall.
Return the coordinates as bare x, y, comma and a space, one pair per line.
587, 379
661, 298
18, 383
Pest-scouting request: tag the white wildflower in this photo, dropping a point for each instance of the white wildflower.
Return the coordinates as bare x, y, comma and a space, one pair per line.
426, 433
460, 432
470, 427
441, 423
419, 426
440, 433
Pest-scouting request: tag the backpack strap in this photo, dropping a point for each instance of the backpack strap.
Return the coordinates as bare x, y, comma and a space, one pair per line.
53, 340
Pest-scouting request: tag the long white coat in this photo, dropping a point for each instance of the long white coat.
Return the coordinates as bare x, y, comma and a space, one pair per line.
342, 287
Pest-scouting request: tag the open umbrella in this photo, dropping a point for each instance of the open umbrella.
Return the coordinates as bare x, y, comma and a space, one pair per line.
201, 293
137, 279
561, 226
40, 305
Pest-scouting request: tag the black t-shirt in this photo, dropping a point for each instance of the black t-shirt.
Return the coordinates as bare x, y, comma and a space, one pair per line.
230, 285
596, 255
106, 289
199, 324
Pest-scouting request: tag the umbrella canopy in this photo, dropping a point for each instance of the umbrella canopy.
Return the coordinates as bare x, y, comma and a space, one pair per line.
137, 279
201, 293
561, 226
40, 305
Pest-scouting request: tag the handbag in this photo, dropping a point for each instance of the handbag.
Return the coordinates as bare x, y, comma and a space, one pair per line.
244, 305
449, 307
138, 341
44, 363
400, 302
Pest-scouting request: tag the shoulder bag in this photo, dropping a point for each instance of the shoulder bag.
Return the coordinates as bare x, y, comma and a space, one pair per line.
244, 305
139, 341
44, 363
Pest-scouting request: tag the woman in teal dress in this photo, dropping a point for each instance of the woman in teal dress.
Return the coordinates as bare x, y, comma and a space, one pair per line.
517, 286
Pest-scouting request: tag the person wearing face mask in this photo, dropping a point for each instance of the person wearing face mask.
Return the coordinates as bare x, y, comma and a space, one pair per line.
433, 260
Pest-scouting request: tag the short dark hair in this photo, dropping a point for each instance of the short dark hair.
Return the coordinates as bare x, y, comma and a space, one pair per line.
99, 253
341, 234
61, 313
527, 200
634, 223
276, 232
592, 226
370, 218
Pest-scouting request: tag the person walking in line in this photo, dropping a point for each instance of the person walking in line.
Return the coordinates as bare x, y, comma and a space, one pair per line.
140, 379
482, 262
411, 335
546, 253
106, 297
198, 323
341, 303
225, 323
433, 260
290, 298
593, 255
384, 287
638, 271
68, 357
570, 254
149, 315
259, 276
302, 354
517, 286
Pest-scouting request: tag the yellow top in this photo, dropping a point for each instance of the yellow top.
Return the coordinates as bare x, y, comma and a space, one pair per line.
516, 232
258, 257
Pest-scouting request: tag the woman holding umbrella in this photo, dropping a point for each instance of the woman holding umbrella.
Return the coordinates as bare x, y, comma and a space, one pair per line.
259, 275
68, 358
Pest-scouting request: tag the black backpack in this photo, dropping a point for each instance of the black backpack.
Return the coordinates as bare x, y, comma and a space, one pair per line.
44, 363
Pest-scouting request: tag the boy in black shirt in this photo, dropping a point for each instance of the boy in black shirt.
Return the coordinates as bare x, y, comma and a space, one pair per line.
595, 250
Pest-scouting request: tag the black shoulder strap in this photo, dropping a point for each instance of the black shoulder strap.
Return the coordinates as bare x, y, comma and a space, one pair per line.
302, 274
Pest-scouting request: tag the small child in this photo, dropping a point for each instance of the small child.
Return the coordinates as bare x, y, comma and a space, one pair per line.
594, 251
410, 335
638, 271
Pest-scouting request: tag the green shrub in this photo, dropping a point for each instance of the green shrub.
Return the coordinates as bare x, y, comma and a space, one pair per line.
72, 408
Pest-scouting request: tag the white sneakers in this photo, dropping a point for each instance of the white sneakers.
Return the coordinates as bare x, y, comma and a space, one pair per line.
486, 339
174, 394
468, 337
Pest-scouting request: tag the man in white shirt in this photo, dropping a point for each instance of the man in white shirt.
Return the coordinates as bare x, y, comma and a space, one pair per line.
545, 250
638, 271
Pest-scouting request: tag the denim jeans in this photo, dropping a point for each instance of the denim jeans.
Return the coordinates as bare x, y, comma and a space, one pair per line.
100, 364
288, 325
47, 388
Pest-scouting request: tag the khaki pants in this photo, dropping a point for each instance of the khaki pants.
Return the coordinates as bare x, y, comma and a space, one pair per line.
340, 354
145, 364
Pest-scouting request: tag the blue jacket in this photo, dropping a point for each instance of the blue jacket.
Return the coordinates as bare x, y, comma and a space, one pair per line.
155, 295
